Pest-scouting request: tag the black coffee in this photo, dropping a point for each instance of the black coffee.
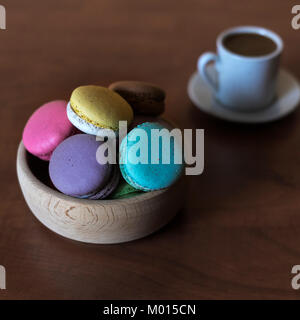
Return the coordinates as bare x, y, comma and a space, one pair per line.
249, 44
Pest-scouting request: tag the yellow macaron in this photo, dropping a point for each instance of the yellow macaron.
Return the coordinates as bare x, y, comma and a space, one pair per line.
93, 108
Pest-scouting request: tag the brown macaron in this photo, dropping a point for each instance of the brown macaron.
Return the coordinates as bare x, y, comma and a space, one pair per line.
144, 98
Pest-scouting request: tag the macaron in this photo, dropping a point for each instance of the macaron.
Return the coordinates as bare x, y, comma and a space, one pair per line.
148, 176
145, 98
94, 109
75, 169
124, 191
47, 127
140, 119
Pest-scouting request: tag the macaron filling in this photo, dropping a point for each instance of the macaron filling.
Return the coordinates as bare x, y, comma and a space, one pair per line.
45, 156
112, 183
104, 191
85, 126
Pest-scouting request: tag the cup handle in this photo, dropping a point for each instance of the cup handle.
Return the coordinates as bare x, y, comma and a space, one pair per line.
203, 60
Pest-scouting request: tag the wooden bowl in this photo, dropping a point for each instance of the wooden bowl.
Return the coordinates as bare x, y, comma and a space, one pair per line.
94, 221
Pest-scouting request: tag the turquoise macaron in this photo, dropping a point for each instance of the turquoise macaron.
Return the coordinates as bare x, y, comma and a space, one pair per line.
144, 175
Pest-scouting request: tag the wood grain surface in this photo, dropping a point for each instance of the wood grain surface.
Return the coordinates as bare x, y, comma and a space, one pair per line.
239, 234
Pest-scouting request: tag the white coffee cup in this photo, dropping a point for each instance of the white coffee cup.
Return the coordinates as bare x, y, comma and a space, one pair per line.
243, 83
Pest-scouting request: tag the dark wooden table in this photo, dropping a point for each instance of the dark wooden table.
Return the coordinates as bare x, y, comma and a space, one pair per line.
239, 234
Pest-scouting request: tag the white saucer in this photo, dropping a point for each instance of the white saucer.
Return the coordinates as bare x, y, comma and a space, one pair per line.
288, 98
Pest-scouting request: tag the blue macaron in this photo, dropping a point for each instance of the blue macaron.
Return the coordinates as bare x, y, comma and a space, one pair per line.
136, 159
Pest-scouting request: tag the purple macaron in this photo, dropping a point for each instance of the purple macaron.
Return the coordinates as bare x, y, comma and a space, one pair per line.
75, 171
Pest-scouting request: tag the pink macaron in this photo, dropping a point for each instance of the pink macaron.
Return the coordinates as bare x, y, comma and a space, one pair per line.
47, 128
